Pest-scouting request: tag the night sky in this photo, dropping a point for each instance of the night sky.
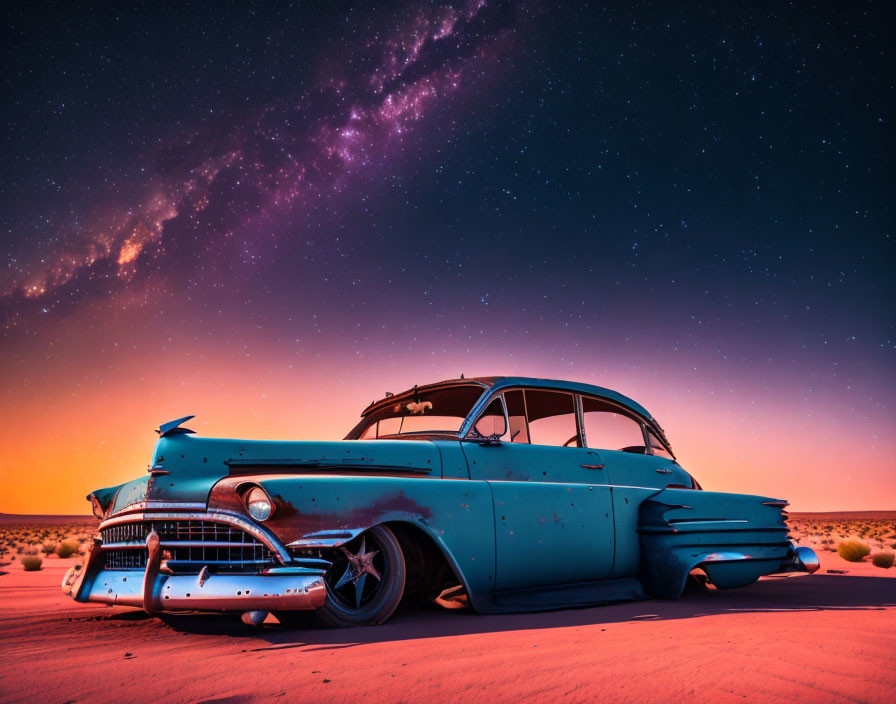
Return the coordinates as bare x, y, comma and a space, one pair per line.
269, 216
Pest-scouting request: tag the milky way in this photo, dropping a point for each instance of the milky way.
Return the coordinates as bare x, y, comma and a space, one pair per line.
294, 150
268, 214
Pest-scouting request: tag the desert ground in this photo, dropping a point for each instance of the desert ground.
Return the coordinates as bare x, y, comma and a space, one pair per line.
829, 637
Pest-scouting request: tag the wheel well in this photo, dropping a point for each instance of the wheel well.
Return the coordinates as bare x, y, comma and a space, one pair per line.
428, 570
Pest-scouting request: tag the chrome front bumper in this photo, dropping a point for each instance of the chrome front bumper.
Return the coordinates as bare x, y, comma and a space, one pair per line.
283, 588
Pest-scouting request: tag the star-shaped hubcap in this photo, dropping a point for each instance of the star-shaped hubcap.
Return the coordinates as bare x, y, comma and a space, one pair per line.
359, 566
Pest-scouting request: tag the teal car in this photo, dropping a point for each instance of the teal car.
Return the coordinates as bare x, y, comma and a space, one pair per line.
499, 493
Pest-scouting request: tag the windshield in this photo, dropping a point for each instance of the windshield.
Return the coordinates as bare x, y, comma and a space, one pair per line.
438, 411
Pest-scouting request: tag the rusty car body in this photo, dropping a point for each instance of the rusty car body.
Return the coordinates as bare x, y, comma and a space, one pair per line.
504, 493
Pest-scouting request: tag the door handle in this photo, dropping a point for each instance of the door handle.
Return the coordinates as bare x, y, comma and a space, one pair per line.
592, 466
664, 471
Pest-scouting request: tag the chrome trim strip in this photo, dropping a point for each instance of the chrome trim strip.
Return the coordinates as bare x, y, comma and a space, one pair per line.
297, 569
580, 421
273, 462
653, 489
138, 544
725, 557
688, 522
326, 538
322, 469
160, 506
216, 562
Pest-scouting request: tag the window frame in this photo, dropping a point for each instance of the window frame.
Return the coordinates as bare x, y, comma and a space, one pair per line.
577, 412
521, 390
621, 411
580, 437
578, 398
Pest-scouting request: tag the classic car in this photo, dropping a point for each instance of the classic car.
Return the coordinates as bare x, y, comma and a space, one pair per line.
500, 493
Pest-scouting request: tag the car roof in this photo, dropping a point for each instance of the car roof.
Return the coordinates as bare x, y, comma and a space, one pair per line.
493, 383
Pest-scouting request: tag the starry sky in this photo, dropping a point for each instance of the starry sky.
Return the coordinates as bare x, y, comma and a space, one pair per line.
269, 216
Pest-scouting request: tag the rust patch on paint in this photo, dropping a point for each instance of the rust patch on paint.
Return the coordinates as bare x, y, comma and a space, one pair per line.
290, 522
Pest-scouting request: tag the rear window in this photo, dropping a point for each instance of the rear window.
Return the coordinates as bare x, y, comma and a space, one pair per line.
608, 429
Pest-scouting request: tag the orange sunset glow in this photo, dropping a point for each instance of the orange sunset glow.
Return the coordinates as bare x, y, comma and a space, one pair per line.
85, 419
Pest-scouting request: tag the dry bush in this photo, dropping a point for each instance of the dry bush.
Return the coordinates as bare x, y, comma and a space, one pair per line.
69, 547
32, 563
48, 548
853, 550
883, 559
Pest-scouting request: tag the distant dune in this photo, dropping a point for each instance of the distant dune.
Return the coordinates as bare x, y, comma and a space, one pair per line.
835, 515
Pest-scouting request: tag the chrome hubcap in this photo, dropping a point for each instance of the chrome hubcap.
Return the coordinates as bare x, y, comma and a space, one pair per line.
360, 565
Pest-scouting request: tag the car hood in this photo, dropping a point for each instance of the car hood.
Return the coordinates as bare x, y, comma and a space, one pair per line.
184, 467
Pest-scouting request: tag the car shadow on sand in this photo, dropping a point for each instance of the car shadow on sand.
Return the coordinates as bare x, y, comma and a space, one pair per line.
782, 594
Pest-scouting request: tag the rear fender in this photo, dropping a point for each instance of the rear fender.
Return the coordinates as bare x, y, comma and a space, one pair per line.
734, 538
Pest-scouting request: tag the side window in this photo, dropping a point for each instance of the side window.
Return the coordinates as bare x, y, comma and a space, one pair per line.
552, 418
492, 421
606, 429
656, 447
516, 414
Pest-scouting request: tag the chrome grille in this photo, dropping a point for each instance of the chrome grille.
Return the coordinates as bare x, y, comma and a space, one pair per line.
187, 545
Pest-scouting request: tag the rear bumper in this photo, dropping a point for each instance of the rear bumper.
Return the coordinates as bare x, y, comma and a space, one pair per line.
803, 560
285, 588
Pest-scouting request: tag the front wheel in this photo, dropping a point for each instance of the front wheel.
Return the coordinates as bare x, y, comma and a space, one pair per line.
364, 584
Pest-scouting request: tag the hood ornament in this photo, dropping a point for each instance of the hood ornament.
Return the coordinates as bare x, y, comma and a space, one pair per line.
173, 427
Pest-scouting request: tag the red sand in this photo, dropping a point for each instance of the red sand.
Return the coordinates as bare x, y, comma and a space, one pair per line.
815, 638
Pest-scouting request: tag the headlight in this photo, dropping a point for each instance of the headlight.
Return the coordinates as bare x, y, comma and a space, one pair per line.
258, 504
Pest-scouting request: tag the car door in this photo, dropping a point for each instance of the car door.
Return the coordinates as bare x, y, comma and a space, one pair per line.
619, 438
553, 506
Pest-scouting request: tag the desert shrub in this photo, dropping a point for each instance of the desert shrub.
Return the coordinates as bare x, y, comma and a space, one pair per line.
48, 548
853, 550
69, 547
883, 559
32, 563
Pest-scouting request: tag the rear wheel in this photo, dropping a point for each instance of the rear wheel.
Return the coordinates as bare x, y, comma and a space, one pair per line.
364, 585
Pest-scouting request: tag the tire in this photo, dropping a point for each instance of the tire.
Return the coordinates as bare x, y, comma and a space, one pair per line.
378, 598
